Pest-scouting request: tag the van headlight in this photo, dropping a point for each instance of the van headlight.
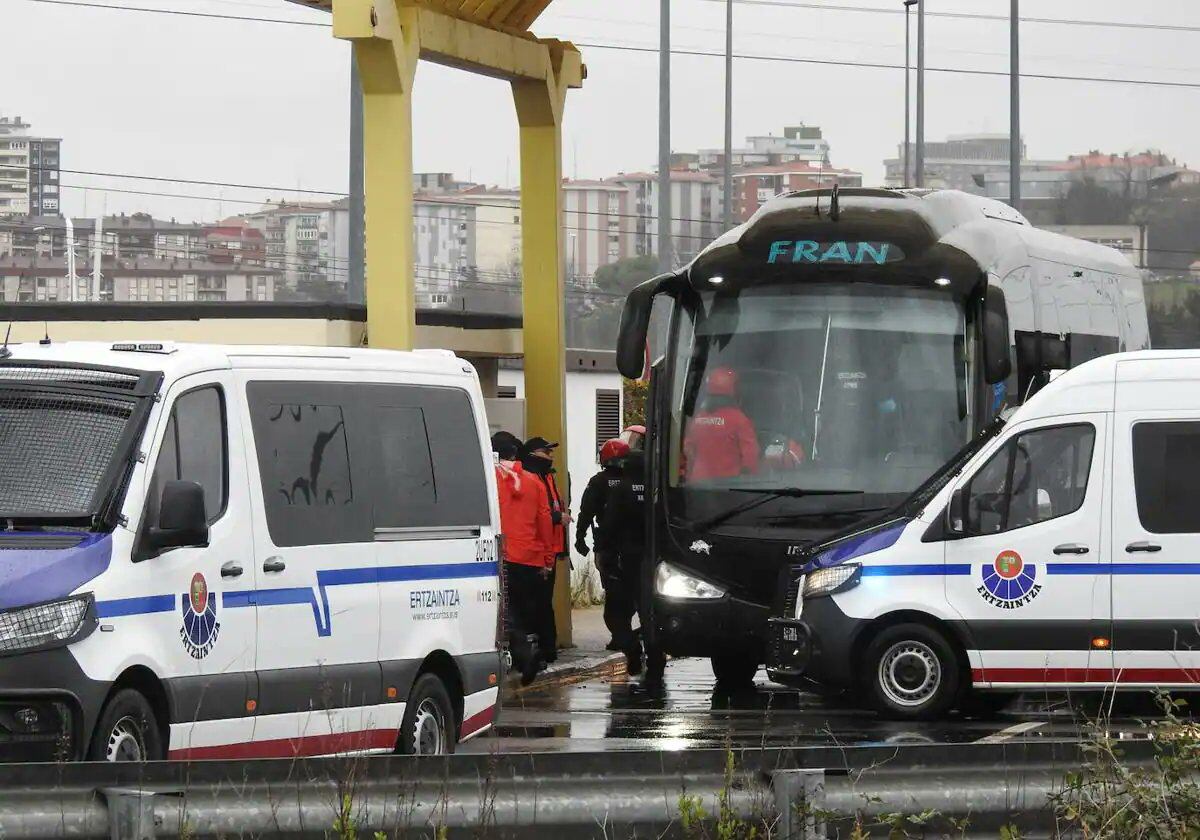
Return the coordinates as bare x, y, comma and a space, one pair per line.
831, 580
671, 582
44, 625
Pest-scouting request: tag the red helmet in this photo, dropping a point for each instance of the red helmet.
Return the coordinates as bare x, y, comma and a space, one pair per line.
722, 382
613, 449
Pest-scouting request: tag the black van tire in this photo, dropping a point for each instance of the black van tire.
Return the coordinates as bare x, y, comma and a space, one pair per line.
429, 727
127, 730
735, 671
911, 672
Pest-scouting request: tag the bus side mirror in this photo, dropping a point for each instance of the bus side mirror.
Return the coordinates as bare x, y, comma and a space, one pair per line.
956, 514
997, 361
635, 323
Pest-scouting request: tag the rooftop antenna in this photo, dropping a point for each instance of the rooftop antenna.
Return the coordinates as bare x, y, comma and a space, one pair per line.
45, 342
834, 210
4, 351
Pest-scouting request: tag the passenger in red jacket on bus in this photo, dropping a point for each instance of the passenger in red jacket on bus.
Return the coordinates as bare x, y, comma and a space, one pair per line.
720, 440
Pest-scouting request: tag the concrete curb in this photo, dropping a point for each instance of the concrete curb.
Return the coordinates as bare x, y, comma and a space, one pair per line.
566, 671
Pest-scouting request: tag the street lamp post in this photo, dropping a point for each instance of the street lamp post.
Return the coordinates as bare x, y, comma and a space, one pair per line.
908, 4
919, 175
665, 259
1014, 128
728, 183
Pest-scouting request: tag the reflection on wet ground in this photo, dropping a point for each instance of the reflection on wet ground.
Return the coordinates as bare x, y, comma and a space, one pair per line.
619, 713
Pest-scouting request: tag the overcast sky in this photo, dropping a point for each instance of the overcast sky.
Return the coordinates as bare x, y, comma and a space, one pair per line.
267, 104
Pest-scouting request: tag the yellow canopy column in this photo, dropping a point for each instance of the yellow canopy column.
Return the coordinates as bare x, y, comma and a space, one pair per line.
387, 46
491, 38
539, 113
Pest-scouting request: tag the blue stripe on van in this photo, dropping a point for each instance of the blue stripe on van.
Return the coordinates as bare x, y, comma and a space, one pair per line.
137, 606
900, 570
1124, 568
297, 595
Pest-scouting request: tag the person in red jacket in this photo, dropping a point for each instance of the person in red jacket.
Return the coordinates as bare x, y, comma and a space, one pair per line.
537, 457
720, 440
525, 523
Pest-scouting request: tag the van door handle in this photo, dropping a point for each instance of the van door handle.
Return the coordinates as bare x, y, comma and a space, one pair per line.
1147, 547
1070, 548
231, 569
274, 564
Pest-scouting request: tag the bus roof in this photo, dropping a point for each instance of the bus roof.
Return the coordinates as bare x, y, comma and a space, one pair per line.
981, 228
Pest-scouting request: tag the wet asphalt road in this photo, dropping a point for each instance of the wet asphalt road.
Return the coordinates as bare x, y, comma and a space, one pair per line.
617, 713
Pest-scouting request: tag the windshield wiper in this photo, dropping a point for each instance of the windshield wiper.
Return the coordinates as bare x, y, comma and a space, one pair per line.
768, 495
816, 514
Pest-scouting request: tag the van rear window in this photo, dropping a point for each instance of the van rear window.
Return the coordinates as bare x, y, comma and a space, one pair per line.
1166, 476
339, 460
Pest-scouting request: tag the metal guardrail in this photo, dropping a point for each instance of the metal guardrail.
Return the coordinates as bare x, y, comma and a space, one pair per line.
802, 792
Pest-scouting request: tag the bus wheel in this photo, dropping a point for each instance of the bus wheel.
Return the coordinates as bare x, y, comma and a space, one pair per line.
986, 704
735, 671
428, 727
911, 673
127, 731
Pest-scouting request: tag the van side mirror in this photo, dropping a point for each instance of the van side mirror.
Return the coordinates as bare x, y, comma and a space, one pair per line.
997, 360
956, 513
635, 324
179, 522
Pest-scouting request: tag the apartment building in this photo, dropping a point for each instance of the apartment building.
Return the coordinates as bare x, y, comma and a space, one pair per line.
139, 279
29, 170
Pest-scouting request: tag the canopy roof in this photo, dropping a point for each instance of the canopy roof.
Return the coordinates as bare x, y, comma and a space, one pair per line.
512, 15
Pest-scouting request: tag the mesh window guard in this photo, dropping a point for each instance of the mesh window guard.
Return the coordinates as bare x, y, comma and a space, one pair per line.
55, 449
69, 376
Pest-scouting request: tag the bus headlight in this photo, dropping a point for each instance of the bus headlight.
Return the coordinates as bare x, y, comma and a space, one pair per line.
831, 580
671, 582
43, 625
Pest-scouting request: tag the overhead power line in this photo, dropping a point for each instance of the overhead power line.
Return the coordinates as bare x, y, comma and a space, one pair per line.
431, 199
879, 65
1107, 24
678, 234
743, 56
181, 13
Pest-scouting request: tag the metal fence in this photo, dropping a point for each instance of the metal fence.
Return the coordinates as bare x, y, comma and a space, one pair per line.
791, 793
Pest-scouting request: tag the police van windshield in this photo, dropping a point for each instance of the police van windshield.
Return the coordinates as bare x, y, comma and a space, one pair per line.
61, 438
816, 387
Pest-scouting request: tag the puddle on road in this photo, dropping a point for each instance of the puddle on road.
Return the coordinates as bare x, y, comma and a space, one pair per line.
619, 713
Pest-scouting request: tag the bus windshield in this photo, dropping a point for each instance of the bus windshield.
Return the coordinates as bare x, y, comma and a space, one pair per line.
827, 396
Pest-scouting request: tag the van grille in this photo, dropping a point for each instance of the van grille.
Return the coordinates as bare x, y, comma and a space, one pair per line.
790, 583
38, 543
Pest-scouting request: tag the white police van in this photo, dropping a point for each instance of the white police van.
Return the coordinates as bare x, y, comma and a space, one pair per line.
243, 552
1060, 551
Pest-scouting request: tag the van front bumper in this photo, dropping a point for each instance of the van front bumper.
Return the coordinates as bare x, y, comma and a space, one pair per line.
48, 706
817, 647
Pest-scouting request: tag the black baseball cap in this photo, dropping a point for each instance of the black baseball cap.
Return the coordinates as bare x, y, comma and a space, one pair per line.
506, 445
536, 443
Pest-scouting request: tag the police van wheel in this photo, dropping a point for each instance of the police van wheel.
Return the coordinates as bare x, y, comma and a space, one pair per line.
911, 673
127, 731
429, 727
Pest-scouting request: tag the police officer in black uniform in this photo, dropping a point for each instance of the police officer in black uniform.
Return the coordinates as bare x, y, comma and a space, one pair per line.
624, 521
591, 511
